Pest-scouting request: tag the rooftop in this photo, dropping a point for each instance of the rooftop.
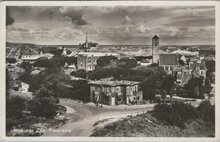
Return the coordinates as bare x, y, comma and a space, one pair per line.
168, 59
97, 54
201, 65
155, 37
114, 83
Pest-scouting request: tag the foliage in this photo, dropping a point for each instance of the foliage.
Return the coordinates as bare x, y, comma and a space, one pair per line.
168, 84
140, 58
210, 65
26, 76
10, 60
175, 114
14, 110
181, 62
43, 103
80, 90
207, 112
81, 73
127, 62
73, 73
195, 87
151, 85
106, 60
48, 78
116, 72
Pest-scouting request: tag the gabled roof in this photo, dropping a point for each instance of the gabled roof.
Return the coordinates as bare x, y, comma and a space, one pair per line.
168, 59
201, 65
114, 83
155, 37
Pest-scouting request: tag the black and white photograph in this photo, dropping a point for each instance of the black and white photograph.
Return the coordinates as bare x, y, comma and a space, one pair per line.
110, 70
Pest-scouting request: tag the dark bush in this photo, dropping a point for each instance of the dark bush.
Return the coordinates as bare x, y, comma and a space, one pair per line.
81, 73
106, 60
175, 114
10, 60
43, 104
207, 112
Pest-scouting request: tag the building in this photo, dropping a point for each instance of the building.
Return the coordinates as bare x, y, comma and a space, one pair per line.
33, 58
87, 45
198, 68
169, 62
155, 49
115, 92
87, 60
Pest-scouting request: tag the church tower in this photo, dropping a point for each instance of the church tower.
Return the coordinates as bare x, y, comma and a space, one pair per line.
86, 43
155, 49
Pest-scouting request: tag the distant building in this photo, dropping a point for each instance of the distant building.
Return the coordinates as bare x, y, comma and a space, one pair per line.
198, 68
87, 60
155, 49
87, 45
186, 53
115, 92
33, 58
168, 61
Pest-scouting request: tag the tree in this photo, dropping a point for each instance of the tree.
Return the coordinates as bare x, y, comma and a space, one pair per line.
181, 62
42, 62
127, 62
43, 103
168, 84
195, 87
81, 73
11, 60
106, 60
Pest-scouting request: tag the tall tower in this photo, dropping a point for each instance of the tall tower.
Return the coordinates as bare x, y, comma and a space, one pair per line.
155, 49
86, 43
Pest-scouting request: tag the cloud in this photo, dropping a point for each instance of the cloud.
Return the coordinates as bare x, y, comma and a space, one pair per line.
75, 14
9, 19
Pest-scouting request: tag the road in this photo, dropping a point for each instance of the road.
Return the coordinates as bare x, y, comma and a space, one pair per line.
81, 122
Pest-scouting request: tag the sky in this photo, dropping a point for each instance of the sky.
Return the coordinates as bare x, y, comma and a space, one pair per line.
176, 25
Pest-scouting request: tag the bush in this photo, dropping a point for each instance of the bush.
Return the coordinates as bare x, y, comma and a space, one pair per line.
14, 110
43, 103
11, 60
127, 63
207, 112
106, 60
175, 114
81, 73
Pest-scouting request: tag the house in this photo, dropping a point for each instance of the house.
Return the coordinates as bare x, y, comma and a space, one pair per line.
198, 68
169, 62
87, 60
115, 92
33, 58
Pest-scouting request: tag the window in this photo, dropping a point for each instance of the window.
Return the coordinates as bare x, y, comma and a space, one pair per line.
138, 98
108, 89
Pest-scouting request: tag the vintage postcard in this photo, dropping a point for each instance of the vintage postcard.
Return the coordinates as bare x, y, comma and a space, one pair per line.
110, 70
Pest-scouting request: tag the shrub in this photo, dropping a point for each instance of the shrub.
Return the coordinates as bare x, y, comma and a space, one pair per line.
106, 60
14, 110
207, 112
81, 73
175, 114
43, 103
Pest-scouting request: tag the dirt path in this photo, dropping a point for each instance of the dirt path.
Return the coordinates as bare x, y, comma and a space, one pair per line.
82, 122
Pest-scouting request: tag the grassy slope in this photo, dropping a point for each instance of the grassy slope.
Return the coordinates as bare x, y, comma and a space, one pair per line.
145, 125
